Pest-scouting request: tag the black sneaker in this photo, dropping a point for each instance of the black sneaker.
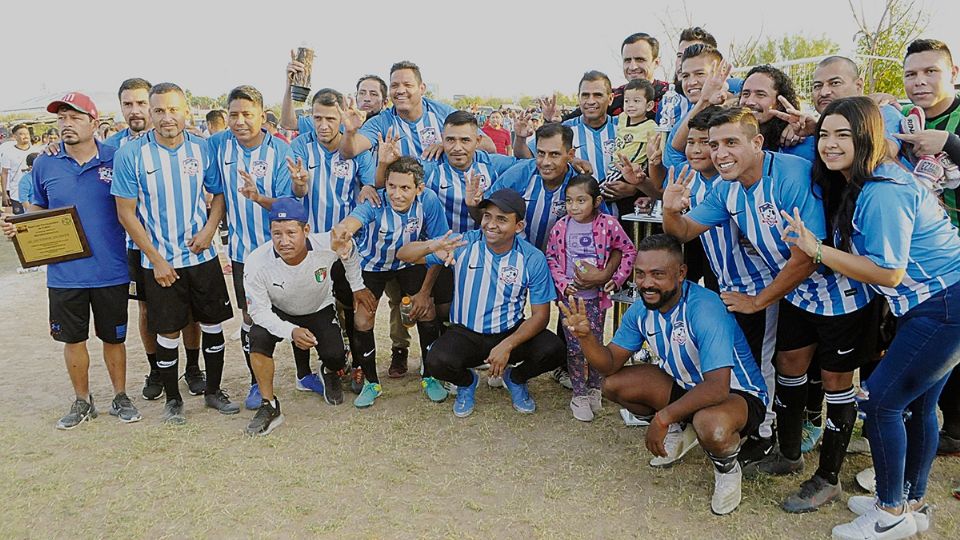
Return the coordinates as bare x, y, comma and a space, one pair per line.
266, 420
196, 382
398, 363
332, 388
813, 494
80, 412
152, 387
123, 408
776, 464
173, 413
947, 445
221, 402
754, 449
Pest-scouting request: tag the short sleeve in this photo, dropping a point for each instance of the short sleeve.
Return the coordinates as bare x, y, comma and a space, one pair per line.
39, 195
711, 211
500, 164
431, 172
628, 335
891, 123
541, 287
885, 218
212, 181
806, 149
304, 124
125, 182
376, 127
366, 168
365, 213
282, 184
671, 156
469, 237
796, 191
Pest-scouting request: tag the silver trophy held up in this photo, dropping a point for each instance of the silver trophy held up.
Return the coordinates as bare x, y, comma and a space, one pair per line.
300, 82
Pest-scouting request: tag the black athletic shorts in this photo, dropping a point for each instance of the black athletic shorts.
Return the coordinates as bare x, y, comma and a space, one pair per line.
756, 410
200, 294
844, 342
410, 280
322, 324
238, 289
341, 287
70, 313
136, 275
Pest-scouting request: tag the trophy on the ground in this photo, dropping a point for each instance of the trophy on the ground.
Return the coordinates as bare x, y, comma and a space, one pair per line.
300, 82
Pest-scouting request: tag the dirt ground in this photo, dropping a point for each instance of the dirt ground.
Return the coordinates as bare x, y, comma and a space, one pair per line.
405, 468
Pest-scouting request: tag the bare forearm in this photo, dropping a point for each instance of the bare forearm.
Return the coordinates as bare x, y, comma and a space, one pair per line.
706, 394
288, 117
432, 274
860, 268
350, 146
797, 269
678, 226
130, 223
520, 148
415, 252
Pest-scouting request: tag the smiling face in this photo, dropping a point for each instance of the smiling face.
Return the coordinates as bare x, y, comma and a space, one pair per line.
760, 96
638, 61
835, 144
658, 275
245, 118
734, 150
594, 98
406, 91
459, 144
693, 73
402, 189
928, 80
635, 103
552, 158
499, 227
698, 152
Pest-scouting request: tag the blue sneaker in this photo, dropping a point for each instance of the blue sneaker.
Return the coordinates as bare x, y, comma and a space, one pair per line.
310, 383
434, 389
254, 398
519, 394
463, 406
369, 394
810, 436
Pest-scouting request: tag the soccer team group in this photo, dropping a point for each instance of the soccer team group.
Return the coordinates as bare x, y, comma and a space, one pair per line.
826, 244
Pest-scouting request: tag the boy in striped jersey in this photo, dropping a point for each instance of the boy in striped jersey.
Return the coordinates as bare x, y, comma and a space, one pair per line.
409, 214
706, 377
252, 164
820, 312
495, 271
159, 182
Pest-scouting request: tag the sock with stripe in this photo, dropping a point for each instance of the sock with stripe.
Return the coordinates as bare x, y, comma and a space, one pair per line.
789, 402
724, 464
167, 351
841, 415
212, 343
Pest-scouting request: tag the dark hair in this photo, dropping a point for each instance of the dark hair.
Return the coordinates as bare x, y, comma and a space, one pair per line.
924, 45
31, 158
52, 131
662, 242
593, 76
18, 127
695, 33
643, 36
588, 181
381, 82
216, 115
328, 97
700, 49
246, 92
461, 118
407, 165
701, 120
406, 64
135, 83
869, 151
552, 129
645, 86
734, 115
840, 59
166, 88
783, 86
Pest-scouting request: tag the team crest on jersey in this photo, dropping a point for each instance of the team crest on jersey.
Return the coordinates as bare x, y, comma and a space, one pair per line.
509, 275
106, 174
768, 214
341, 169
412, 226
258, 168
559, 208
679, 334
320, 275
429, 137
609, 147
482, 179
191, 166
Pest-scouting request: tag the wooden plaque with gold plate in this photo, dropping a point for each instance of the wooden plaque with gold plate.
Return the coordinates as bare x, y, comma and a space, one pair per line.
49, 236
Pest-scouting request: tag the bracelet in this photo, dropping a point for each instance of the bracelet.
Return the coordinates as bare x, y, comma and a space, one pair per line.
819, 257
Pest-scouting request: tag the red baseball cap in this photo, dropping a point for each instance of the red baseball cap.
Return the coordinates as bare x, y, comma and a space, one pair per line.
77, 101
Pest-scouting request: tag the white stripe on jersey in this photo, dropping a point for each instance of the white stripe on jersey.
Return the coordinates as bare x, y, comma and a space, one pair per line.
334, 185
450, 185
490, 291
248, 222
390, 231
595, 145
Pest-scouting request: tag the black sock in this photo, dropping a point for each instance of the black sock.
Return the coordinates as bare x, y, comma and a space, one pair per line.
152, 360
193, 360
841, 414
365, 352
724, 464
245, 345
814, 410
166, 355
789, 401
211, 340
429, 331
302, 359
351, 335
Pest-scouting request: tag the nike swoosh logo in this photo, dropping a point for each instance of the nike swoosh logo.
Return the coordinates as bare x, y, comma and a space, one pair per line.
312, 167
229, 162
736, 213
475, 267
653, 334
844, 352
367, 354
153, 171
880, 530
227, 303
448, 186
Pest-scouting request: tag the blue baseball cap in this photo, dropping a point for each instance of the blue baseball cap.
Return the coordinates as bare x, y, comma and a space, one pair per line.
288, 209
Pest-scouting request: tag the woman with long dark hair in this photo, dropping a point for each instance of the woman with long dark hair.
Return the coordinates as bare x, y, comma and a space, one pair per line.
890, 232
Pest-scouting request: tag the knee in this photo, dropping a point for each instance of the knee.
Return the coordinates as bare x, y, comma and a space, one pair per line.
363, 320
612, 387
715, 433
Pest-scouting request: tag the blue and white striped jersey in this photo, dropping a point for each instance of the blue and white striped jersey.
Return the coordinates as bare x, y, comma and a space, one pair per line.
249, 223
696, 336
544, 207
900, 224
449, 183
169, 187
785, 185
594, 145
334, 182
490, 290
414, 136
385, 230
117, 140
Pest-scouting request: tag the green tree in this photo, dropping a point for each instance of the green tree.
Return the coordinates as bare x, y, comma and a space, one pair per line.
883, 44
755, 51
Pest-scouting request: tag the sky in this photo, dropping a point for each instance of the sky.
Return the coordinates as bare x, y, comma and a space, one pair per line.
501, 48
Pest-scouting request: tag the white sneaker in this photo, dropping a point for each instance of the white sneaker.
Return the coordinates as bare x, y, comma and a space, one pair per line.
495, 382
861, 504
726, 491
631, 419
867, 479
877, 525
677, 443
580, 405
596, 400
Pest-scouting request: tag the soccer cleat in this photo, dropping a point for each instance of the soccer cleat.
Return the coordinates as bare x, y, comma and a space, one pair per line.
434, 389
356, 381
152, 387
254, 398
877, 524
867, 479
266, 420
580, 405
754, 450
631, 419
677, 443
810, 436
221, 402
726, 491
398, 363
596, 400
369, 394
196, 382
80, 412
310, 383
123, 408
173, 413
519, 394
861, 504
332, 389
464, 404
948, 446
563, 378
813, 494
776, 464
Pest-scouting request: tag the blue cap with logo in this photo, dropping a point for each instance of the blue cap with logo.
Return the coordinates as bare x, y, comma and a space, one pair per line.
288, 209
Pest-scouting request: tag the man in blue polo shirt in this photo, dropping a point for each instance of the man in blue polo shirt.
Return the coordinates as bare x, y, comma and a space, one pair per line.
80, 176
495, 272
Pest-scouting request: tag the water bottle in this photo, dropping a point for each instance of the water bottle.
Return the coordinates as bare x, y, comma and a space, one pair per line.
406, 306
